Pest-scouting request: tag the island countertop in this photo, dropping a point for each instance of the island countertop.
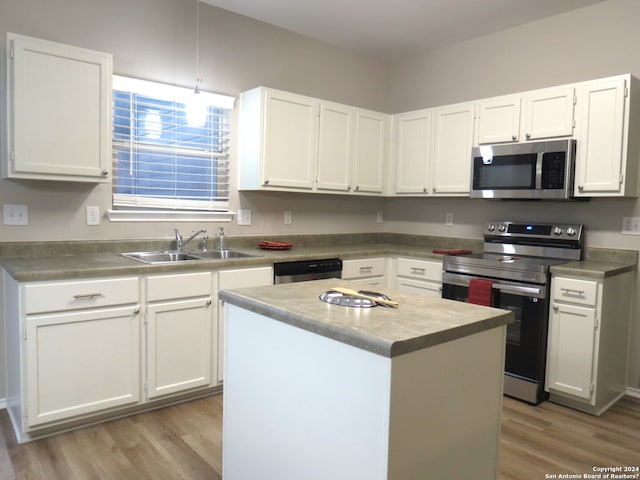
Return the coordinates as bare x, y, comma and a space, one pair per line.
419, 322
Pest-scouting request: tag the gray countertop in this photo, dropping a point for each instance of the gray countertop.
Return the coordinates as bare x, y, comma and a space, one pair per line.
32, 261
419, 322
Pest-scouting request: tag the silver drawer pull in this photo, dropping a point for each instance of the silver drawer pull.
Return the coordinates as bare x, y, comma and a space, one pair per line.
87, 296
366, 269
571, 291
417, 270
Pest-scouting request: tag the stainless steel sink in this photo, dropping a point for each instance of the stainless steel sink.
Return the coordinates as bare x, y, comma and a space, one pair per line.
161, 257
175, 256
219, 254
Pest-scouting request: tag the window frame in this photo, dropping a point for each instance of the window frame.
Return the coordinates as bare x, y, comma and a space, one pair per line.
127, 207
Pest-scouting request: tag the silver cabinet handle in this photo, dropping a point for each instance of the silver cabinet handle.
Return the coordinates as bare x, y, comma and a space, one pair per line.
555, 308
136, 311
528, 135
514, 138
366, 269
208, 303
571, 291
87, 296
418, 270
105, 173
580, 187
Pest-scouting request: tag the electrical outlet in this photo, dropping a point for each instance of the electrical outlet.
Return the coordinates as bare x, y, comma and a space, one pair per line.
288, 217
379, 216
93, 215
448, 219
16, 214
244, 217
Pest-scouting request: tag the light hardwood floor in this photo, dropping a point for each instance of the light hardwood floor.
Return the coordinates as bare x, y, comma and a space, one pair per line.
185, 442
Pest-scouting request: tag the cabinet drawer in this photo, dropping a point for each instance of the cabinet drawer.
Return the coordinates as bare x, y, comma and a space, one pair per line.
185, 285
420, 269
432, 289
583, 292
73, 295
364, 267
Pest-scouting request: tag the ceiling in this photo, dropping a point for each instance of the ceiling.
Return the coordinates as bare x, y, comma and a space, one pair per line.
394, 29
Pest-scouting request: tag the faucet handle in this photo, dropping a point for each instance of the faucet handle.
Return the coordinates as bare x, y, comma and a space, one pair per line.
203, 243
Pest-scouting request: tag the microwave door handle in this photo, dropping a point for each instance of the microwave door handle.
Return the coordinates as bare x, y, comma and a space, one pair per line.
539, 170
517, 289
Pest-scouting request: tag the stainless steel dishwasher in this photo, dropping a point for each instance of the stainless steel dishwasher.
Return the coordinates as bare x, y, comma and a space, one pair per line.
304, 270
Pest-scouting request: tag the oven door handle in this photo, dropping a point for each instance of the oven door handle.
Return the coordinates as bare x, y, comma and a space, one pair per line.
517, 289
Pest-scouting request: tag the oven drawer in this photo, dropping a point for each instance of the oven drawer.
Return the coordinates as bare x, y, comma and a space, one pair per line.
572, 290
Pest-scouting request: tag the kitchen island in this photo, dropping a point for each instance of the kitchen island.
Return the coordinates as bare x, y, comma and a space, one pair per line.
316, 391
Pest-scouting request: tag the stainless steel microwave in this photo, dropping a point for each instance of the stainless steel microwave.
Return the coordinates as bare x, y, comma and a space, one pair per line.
533, 171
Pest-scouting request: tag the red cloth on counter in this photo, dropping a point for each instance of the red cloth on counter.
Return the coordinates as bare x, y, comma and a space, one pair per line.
480, 292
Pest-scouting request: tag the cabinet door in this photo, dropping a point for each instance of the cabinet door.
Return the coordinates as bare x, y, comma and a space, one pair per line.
451, 154
571, 350
61, 96
81, 362
499, 120
599, 157
178, 346
239, 278
413, 151
335, 148
548, 113
370, 151
290, 140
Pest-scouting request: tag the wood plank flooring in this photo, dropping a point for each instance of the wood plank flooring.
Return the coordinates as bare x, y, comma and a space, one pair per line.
185, 442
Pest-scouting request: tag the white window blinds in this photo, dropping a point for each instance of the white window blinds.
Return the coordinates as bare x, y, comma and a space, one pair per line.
170, 147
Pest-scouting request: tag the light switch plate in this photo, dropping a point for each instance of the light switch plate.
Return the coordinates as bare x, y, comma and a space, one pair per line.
288, 217
93, 215
244, 217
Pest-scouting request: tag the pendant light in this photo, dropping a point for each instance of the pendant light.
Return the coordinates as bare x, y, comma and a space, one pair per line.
196, 108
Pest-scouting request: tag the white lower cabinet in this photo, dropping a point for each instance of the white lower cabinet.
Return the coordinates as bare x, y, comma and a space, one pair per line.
365, 271
588, 339
419, 276
179, 323
236, 278
73, 350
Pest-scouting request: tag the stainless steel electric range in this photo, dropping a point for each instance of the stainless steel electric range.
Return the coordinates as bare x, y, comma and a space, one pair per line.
515, 265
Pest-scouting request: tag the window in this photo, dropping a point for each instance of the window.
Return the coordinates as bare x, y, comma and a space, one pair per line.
170, 147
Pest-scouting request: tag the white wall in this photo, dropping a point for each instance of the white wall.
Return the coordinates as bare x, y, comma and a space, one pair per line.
593, 42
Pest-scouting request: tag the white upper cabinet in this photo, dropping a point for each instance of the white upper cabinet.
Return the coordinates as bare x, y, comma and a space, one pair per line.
58, 112
499, 119
370, 151
548, 113
279, 140
451, 154
433, 151
607, 156
335, 148
295, 143
412, 151
535, 115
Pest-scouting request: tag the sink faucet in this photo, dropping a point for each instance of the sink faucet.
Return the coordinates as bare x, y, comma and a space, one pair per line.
221, 242
180, 243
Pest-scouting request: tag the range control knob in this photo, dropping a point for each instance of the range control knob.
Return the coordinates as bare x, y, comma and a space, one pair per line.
502, 228
557, 231
491, 227
571, 231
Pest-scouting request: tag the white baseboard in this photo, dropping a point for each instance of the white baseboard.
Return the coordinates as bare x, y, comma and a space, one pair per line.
633, 392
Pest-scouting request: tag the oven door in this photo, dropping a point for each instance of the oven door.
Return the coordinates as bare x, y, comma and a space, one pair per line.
527, 335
